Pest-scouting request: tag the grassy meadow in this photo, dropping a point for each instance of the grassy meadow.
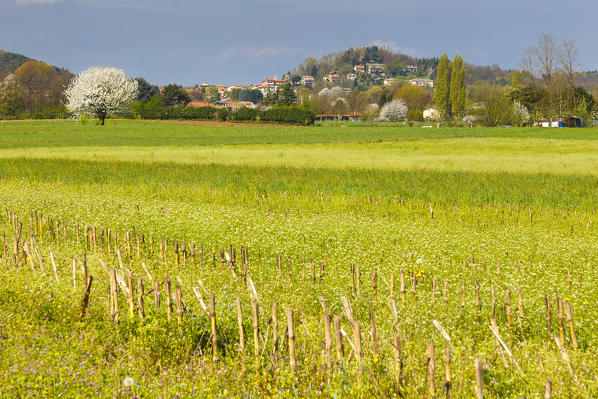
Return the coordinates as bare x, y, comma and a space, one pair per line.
426, 234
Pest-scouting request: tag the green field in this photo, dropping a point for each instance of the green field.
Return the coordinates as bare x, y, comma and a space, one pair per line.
469, 212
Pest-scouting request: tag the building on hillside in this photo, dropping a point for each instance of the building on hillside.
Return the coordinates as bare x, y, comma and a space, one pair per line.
333, 77
269, 85
422, 82
359, 68
351, 76
411, 68
231, 88
431, 114
388, 81
307, 81
375, 69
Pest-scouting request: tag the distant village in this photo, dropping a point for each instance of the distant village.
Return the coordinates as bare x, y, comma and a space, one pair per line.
226, 97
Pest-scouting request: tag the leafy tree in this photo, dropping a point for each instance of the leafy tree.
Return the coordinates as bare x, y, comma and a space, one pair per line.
493, 105
11, 98
287, 95
212, 95
457, 88
145, 90
100, 91
255, 96
234, 94
442, 87
35, 79
415, 115
174, 95
516, 78
415, 97
196, 95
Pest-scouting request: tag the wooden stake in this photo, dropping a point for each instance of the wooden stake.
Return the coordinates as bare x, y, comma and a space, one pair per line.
339, 339
560, 318
85, 298
256, 332
548, 390
358, 279
375, 283
447, 370
373, 333
402, 285
179, 304
168, 297
275, 330
493, 299
479, 377
53, 264
140, 298
431, 369
571, 325
398, 362
357, 342
508, 306
131, 300
113, 296
291, 330
212, 299
240, 325
548, 314
327, 339
520, 303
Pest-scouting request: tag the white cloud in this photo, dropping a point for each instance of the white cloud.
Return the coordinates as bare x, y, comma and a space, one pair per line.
393, 47
36, 2
255, 52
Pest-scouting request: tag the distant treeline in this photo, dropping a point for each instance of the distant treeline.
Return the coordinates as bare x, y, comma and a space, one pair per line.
287, 115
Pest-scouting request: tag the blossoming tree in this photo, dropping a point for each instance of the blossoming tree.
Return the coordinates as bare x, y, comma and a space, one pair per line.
394, 111
100, 91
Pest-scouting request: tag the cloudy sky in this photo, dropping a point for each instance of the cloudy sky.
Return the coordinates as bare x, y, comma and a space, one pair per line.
243, 41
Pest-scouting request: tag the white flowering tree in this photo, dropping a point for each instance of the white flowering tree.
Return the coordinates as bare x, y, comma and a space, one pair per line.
394, 111
11, 97
100, 91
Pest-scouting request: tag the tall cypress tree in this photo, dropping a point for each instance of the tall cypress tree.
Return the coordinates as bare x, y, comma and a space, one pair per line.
457, 88
442, 87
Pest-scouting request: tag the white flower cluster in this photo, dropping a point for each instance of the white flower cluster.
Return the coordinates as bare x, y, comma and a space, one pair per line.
393, 111
100, 91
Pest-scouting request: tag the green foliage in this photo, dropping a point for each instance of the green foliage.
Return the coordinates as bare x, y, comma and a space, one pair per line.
415, 115
442, 87
457, 89
145, 90
174, 95
255, 96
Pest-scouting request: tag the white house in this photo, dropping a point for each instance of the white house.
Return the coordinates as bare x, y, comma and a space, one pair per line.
307, 81
334, 77
422, 82
431, 114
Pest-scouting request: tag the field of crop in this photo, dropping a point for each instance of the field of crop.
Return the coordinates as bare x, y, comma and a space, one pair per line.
149, 259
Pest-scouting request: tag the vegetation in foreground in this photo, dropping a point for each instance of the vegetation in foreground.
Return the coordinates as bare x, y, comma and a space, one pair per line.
467, 242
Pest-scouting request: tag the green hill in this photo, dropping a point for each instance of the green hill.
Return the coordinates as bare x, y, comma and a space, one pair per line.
9, 62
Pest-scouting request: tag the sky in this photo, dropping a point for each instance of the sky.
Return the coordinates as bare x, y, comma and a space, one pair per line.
245, 41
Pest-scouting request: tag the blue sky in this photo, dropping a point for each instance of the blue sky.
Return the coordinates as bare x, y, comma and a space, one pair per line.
244, 41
